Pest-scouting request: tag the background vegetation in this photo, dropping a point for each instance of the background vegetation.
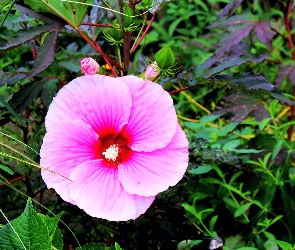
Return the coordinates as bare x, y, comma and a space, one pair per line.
230, 71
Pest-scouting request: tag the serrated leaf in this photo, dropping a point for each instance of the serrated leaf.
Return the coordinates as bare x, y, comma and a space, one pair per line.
10, 109
57, 240
10, 78
26, 35
241, 20
254, 81
286, 70
6, 169
206, 71
230, 8
241, 104
29, 93
46, 54
264, 33
234, 242
27, 231
49, 90
233, 38
242, 209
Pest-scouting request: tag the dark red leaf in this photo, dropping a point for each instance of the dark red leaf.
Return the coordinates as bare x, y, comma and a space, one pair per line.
48, 18
46, 54
230, 8
234, 38
285, 70
264, 33
206, 70
26, 35
240, 105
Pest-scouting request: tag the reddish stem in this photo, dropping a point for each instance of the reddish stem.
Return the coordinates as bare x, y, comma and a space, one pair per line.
34, 53
178, 90
291, 44
14, 180
143, 35
98, 25
98, 49
108, 63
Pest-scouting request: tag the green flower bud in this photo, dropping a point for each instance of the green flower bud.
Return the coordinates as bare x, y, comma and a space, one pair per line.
165, 58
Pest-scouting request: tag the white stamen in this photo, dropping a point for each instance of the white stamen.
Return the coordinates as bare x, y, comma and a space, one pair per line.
111, 153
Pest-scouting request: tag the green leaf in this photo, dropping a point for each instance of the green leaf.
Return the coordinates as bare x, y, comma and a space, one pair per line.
242, 209
234, 242
27, 231
230, 202
188, 244
231, 144
284, 245
7, 8
277, 148
72, 13
99, 246
205, 168
270, 245
212, 222
6, 169
10, 109
165, 58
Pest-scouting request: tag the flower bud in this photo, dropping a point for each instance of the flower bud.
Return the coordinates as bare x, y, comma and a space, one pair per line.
151, 70
89, 66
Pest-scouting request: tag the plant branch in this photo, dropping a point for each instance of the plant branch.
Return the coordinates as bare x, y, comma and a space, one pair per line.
287, 14
143, 35
97, 48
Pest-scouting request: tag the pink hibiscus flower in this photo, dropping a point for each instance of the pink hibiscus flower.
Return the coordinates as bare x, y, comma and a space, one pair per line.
117, 140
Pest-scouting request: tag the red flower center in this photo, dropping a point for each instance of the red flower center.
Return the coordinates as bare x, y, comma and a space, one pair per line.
112, 148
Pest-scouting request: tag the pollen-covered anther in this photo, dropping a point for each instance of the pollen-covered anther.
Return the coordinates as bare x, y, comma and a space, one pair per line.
111, 153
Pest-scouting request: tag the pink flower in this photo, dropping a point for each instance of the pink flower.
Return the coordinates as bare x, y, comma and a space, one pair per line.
150, 70
89, 66
117, 140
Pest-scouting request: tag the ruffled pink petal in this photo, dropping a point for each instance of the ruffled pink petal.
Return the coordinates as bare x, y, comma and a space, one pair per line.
153, 120
97, 190
148, 173
100, 101
64, 147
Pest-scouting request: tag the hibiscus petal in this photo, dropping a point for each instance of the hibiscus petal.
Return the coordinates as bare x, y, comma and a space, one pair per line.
64, 147
153, 120
97, 190
102, 102
148, 173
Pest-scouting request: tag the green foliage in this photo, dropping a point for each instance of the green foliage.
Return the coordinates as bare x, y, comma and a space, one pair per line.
234, 98
31, 231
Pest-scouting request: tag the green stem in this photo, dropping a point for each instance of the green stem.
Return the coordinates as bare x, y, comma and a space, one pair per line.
118, 52
139, 34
